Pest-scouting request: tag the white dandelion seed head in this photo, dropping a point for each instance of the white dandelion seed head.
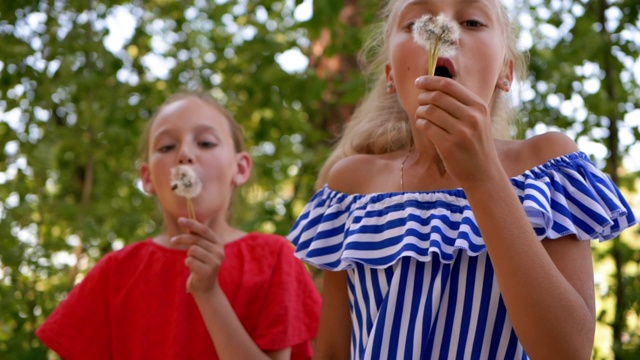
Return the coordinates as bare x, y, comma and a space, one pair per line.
424, 31
449, 34
437, 31
185, 181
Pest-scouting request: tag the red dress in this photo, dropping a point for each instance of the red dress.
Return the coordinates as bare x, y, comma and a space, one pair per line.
134, 305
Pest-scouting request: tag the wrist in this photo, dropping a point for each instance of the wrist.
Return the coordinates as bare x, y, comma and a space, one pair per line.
488, 184
210, 293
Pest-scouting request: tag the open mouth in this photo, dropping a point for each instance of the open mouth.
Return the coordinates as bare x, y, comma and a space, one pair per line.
443, 71
445, 68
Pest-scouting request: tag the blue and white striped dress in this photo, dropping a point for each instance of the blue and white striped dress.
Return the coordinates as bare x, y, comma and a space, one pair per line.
421, 285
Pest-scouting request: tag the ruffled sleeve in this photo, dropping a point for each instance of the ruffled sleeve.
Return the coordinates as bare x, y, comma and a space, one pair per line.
570, 195
567, 195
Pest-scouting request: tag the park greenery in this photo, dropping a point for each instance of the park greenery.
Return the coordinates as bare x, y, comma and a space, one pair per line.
79, 79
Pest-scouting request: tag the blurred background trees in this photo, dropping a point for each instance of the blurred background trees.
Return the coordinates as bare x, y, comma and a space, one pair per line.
79, 79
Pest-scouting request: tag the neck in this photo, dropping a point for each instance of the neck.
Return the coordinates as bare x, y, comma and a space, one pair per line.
417, 165
426, 158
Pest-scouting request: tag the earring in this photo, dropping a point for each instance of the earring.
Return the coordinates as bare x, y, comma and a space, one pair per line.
389, 86
505, 83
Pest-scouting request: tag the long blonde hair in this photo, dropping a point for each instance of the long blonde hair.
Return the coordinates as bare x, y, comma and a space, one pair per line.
380, 124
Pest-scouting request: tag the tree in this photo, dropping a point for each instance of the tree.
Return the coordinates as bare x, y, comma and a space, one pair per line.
582, 82
74, 98
73, 105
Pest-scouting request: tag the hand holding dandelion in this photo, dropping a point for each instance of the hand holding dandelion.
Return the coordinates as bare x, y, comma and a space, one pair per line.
438, 35
185, 182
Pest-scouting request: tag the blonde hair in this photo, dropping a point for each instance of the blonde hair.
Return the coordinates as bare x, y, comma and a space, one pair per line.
237, 135
380, 124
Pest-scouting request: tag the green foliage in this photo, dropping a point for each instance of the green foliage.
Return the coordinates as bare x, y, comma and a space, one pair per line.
72, 110
581, 83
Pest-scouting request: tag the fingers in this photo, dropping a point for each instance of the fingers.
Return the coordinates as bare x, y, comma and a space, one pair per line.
436, 111
205, 254
194, 226
200, 261
432, 130
447, 86
448, 105
195, 233
453, 118
197, 255
203, 245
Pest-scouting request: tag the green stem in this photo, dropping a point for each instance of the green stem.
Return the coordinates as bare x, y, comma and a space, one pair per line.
433, 57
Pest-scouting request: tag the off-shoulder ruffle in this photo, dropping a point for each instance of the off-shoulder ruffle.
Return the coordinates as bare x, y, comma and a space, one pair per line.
567, 195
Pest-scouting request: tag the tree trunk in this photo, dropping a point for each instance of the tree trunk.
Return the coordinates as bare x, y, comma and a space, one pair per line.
613, 164
335, 69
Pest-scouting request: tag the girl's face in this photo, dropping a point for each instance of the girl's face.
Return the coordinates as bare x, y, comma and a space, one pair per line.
478, 63
192, 132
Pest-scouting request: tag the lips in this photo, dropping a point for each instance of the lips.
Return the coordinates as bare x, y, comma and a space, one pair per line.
445, 68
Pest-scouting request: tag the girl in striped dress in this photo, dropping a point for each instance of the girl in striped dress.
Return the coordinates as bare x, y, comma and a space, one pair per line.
439, 237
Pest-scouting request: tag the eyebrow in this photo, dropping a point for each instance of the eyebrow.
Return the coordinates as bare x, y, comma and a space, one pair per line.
198, 129
479, 2
426, 3
413, 3
421, 3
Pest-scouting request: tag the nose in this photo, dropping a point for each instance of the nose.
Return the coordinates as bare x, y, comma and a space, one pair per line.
185, 155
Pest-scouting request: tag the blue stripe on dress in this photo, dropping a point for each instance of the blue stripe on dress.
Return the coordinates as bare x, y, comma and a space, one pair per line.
483, 319
498, 329
398, 311
413, 314
356, 331
467, 305
450, 313
421, 284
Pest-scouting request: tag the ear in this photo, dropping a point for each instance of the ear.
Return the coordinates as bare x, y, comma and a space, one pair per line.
243, 171
506, 77
390, 86
145, 177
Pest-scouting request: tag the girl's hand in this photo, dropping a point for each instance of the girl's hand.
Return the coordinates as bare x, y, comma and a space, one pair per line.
458, 123
204, 255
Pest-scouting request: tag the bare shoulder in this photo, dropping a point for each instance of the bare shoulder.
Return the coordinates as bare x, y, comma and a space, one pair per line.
363, 174
551, 145
519, 156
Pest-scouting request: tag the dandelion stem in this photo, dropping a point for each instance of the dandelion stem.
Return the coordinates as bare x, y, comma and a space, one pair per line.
433, 58
191, 212
438, 35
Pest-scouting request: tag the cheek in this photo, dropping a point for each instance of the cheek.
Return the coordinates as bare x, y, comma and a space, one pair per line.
408, 56
219, 169
159, 174
493, 54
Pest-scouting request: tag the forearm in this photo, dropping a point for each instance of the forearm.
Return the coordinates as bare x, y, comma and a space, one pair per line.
229, 337
551, 317
334, 334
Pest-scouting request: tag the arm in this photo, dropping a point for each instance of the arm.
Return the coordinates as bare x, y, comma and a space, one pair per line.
334, 334
229, 336
204, 258
551, 300
547, 286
